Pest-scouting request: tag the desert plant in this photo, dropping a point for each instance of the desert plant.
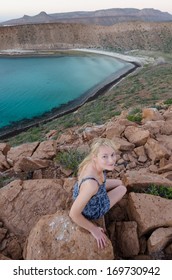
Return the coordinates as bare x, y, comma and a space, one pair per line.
162, 191
168, 101
135, 115
70, 159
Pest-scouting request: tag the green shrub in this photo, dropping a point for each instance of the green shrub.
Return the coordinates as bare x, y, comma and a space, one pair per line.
70, 159
135, 115
162, 191
168, 101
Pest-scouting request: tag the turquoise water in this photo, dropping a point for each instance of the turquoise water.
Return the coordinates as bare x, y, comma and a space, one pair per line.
31, 86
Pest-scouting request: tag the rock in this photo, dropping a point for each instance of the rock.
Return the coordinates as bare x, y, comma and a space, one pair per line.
122, 144
168, 249
3, 232
166, 128
140, 151
159, 239
151, 114
29, 164
156, 151
24, 150
56, 237
127, 238
168, 175
149, 211
46, 150
90, 133
153, 168
69, 184
140, 179
165, 168
136, 135
154, 127
66, 137
168, 114
22, 203
2, 257
142, 257
116, 128
14, 250
3, 162
165, 141
4, 148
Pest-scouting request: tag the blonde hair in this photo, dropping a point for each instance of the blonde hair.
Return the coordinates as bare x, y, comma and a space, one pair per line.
94, 149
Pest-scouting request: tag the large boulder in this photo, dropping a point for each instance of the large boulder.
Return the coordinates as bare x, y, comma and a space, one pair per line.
167, 128
166, 141
46, 150
151, 114
136, 135
56, 237
149, 211
29, 164
140, 179
23, 203
155, 150
127, 238
159, 239
24, 150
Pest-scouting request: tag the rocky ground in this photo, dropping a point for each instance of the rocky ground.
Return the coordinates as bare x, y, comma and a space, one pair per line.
36, 193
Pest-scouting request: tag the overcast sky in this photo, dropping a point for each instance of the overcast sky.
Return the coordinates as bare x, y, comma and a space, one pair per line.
10, 9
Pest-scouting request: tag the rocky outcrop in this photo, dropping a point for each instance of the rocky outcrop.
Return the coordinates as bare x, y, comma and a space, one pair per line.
149, 211
64, 240
23, 203
34, 205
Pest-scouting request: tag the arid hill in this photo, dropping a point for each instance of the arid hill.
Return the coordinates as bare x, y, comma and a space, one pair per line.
99, 17
119, 37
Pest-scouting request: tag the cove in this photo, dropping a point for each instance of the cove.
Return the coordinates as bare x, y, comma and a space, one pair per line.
33, 89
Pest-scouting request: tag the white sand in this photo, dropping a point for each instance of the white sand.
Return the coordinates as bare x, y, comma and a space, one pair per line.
140, 60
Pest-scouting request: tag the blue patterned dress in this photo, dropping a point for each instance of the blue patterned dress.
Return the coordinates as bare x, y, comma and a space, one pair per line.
98, 205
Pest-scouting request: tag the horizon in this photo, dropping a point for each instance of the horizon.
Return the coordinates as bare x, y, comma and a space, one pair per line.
13, 9
13, 18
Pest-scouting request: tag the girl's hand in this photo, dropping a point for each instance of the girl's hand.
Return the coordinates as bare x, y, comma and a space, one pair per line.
100, 237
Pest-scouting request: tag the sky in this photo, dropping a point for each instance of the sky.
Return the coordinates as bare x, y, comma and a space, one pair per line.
10, 9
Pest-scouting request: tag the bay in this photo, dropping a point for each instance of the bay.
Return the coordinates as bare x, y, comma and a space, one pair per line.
33, 86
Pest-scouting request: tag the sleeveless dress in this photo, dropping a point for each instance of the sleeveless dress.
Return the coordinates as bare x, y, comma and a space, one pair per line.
99, 203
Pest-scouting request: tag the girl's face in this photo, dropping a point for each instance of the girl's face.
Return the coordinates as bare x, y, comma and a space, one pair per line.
105, 158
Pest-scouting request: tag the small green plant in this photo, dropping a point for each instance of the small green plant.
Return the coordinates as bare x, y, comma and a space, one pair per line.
162, 191
70, 159
168, 101
135, 115
5, 180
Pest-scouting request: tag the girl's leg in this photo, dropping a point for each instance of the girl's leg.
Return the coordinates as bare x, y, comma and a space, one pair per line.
116, 194
113, 183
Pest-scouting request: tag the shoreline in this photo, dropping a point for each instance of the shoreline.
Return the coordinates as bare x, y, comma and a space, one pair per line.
23, 125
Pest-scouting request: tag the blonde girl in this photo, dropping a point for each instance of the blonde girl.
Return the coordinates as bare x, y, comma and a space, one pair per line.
93, 194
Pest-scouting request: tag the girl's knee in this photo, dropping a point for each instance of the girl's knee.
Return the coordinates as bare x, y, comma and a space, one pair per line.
122, 190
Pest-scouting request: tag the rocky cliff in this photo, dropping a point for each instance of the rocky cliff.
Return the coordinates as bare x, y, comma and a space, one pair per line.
119, 37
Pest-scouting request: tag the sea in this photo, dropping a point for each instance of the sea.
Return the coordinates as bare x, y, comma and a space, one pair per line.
33, 86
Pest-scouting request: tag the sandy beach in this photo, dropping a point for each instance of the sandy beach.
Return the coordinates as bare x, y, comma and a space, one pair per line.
134, 63
140, 60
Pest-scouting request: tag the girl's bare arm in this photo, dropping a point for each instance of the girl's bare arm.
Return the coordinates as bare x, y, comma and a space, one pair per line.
87, 190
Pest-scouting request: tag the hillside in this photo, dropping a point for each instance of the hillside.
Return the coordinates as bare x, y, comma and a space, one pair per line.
99, 17
38, 167
118, 37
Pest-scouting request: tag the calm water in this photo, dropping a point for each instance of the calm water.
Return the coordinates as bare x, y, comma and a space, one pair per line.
32, 86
